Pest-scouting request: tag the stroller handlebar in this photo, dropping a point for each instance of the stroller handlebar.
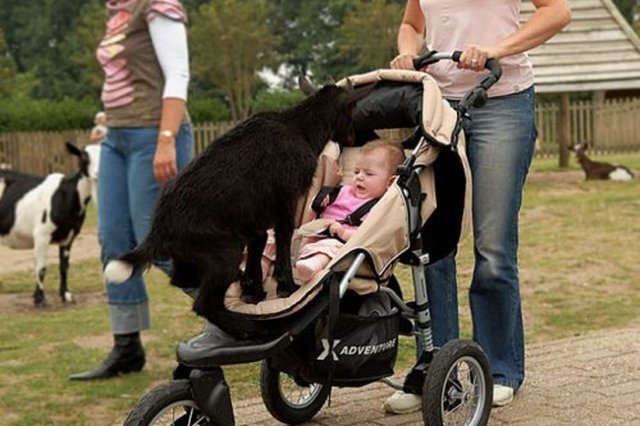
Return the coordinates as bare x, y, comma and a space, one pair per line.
478, 95
433, 56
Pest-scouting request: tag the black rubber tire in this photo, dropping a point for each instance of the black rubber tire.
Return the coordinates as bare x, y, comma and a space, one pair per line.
157, 400
276, 403
443, 361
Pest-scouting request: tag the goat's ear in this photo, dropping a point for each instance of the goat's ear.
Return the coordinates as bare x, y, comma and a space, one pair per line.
73, 150
306, 86
351, 96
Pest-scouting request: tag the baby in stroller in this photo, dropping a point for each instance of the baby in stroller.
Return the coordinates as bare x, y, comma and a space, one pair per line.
345, 207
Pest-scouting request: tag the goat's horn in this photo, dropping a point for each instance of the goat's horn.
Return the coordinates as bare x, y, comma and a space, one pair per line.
305, 85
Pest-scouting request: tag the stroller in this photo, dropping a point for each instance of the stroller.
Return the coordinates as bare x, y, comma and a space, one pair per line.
341, 328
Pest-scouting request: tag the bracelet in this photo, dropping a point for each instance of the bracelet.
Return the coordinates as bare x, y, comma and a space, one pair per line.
167, 134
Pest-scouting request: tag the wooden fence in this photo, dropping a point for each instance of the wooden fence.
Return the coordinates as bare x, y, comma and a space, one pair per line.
610, 126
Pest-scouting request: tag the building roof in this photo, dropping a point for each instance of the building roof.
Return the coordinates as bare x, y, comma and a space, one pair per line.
598, 50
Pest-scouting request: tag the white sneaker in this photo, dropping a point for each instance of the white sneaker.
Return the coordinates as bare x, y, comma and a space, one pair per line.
502, 395
402, 403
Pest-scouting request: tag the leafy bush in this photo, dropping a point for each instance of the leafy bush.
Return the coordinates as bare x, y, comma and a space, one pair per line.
275, 101
207, 110
46, 115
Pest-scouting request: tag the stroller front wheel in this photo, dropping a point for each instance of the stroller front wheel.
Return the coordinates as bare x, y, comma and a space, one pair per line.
288, 400
458, 387
171, 403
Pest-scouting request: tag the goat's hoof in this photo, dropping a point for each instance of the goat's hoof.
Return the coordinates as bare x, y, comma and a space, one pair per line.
40, 303
68, 298
253, 298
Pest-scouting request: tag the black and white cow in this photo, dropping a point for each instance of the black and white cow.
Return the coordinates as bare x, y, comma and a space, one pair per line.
37, 211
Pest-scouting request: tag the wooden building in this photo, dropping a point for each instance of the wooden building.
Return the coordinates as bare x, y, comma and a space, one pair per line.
598, 52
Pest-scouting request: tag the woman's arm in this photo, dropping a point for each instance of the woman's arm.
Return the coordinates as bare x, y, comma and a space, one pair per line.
169, 39
410, 36
550, 17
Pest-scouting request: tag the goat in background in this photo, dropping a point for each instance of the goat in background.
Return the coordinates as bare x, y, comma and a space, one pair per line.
597, 169
37, 211
245, 182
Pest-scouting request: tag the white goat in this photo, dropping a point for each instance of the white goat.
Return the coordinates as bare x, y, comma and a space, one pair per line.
38, 211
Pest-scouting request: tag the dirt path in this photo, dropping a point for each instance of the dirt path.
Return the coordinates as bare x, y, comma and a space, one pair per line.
84, 247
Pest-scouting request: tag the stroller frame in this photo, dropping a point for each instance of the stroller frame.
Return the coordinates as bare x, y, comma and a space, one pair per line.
199, 384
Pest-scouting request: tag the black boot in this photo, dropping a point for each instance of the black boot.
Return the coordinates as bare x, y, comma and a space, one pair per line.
126, 356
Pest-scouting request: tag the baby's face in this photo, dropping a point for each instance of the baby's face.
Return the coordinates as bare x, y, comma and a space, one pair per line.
371, 175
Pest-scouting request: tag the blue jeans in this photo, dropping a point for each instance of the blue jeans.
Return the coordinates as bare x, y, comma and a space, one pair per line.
127, 191
500, 142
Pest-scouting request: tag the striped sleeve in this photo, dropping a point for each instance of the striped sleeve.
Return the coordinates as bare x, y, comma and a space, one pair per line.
171, 9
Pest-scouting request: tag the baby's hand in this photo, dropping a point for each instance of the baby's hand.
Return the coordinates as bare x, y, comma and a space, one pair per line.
336, 229
326, 201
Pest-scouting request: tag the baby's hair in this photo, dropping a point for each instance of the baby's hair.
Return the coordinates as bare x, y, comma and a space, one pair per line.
393, 150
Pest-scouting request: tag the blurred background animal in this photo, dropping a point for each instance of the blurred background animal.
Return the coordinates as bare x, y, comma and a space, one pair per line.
598, 169
36, 211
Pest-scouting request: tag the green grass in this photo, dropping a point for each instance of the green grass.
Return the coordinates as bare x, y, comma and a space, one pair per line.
579, 268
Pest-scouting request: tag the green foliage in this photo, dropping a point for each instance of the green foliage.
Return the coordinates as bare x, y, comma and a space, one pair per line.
79, 47
229, 41
368, 35
626, 8
205, 110
275, 101
28, 114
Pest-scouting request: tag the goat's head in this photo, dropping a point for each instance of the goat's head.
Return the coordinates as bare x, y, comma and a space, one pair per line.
345, 99
83, 157
579, 148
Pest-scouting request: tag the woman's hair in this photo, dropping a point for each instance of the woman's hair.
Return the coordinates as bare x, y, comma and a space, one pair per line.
393, 152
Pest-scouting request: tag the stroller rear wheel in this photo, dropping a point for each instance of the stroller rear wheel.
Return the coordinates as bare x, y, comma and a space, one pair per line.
289, 400
170, 403
458, 388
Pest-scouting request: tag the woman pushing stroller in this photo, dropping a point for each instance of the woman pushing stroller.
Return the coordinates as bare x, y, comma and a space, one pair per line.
500, 140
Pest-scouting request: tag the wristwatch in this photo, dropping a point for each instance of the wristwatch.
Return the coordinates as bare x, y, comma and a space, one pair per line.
167, 134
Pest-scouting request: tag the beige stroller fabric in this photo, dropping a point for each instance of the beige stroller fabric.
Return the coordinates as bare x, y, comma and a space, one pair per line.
384, 235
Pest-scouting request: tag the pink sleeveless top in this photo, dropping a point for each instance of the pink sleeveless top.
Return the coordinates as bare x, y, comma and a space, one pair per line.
345, 203
454, 24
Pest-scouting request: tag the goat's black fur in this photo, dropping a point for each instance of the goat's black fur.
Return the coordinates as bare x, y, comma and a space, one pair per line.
247, 181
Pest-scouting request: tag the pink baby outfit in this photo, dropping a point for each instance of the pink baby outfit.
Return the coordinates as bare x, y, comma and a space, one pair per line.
451, 24
316, 252
134, 82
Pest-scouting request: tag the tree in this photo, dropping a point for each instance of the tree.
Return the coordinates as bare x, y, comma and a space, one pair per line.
7, 68
367, 37
230, 41
79, 47
626, 8
12, 83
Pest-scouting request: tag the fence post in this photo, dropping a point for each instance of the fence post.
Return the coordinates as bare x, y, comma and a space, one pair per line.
563, 145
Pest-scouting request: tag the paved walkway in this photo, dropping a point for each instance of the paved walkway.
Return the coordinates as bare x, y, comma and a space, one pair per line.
588, 380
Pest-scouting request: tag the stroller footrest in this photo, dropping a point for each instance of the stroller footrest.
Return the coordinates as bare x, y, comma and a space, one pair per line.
214, 348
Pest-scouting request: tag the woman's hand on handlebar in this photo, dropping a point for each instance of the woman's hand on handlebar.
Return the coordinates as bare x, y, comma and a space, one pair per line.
474, 57
403, 62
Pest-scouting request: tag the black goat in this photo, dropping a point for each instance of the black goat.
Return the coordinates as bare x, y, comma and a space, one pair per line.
247, 181
37, 211
598, 169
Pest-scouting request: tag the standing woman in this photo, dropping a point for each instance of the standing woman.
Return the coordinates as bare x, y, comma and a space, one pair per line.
500, 141
146, 64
